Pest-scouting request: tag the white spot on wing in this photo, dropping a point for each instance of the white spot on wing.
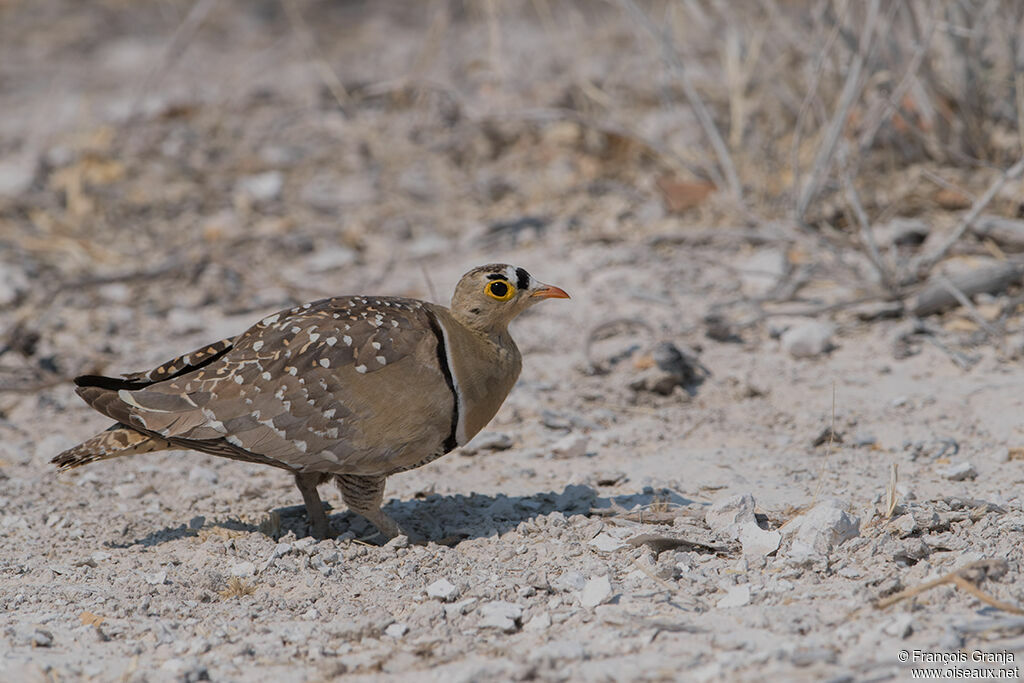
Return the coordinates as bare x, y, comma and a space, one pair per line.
270, 320
382, 360
347, 339
325, 363
331, 341
266, 376
239, 379
361, 369
257, 346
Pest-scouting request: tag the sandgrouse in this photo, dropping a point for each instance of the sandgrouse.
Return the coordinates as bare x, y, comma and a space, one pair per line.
355, 388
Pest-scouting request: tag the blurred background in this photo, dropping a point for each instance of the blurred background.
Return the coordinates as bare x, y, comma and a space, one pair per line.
249, 153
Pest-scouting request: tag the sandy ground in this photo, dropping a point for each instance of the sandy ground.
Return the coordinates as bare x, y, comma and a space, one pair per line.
593, 532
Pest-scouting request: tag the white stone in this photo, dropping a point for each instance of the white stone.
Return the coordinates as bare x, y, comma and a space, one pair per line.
262, 187
757, 541
737, 596
816, 532
396, 630
570, 446
606, 543
727, 515
808, 339
760, 272
242, 569
958, 472
597, 591
458, 608
156, 578
539, 622
569, 581
500, 615
443, 590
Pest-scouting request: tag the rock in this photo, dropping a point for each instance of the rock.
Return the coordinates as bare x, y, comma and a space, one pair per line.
204, 474
760, 272
443, 590
261, 187
570, 446
737, 596
757, 541
500, 615
156, 578
458, 608
726, 514
487, 441
606, 543
815, 533
900, 627
41, 638
596, 591
396, 630
539, 622
958, 472
808, 339
242, 569
568, 582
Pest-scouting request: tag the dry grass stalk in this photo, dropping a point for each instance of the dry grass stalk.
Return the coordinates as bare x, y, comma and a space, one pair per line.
237, 588
965, 578
892, 496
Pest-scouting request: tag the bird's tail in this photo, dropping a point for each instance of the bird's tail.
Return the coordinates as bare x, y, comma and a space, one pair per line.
118, 440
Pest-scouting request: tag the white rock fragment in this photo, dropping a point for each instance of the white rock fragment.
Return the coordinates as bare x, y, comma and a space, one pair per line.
242, 569
570, 446
443, 590
757, 541
262, 187
606, 543
958, 472
487, 441
569, 581
761, 271
816, 532
500, 615
539, 622
726, 515
396, 630
597, 591
733, 518
737, 596
458, 608
808, 339
902, 626
156, 578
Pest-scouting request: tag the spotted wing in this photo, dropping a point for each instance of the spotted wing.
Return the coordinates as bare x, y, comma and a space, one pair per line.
350, 385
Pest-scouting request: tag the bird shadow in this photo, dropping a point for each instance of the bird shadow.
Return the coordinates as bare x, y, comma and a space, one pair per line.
444, 519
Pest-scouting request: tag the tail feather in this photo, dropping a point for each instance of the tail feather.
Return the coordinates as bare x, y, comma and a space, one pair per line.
117, 441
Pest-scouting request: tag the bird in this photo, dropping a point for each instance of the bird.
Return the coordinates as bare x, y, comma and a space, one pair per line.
350, 388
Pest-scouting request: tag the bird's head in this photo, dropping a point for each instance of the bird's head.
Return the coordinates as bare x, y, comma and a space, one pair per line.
487, 298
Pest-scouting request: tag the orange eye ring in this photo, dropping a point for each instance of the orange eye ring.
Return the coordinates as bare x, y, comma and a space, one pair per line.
502, 290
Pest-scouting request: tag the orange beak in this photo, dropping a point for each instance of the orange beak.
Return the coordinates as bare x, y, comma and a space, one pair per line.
549, 292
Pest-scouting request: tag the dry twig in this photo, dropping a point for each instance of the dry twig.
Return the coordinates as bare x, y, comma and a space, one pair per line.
965, 578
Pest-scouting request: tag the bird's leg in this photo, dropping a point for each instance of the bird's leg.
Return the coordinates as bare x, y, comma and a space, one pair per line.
364, 495
307, 483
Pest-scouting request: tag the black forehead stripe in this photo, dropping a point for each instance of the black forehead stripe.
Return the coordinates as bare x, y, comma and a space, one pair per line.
497, 276
522, 278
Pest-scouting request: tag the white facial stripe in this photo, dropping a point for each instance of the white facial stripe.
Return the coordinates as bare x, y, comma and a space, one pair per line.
460, 426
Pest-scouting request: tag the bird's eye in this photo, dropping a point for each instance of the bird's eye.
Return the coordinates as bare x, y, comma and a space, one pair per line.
500, 290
